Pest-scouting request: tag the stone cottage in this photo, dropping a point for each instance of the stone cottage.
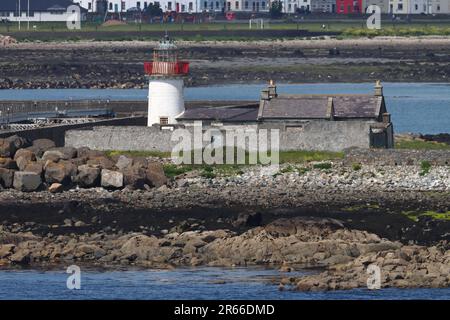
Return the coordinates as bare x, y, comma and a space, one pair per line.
304, 122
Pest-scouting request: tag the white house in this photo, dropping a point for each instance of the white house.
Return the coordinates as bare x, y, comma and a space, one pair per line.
35, 11
440, 6
116, 6
410, 6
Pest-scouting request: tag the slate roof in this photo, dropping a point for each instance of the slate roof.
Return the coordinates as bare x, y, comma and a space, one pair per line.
242, 113
35, 5
294, 107
317, 107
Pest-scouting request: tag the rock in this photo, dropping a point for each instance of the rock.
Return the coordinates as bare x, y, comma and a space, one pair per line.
111, 179
35, 167
87, 176
26, 181
102, 162
23, 157
56, 188
123, 162
134, 178
6, 177
20, 257
6, 250
252, 219
155, 174
56, 154
57, 172
40, 146
15, 143
85, 152
7, 148
8, 163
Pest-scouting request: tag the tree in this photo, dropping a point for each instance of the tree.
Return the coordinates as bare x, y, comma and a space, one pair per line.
153, 10
276, 9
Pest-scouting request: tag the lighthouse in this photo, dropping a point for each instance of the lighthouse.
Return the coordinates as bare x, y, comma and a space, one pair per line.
166, 83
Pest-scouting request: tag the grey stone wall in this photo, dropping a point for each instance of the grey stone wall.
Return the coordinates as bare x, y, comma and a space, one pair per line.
57, 132
307, 135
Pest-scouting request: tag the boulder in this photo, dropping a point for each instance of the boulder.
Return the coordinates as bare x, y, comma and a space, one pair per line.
10, 145
87, 176
7, 148
23, 157
26, 181
6, 177
155, 174
35, 167
56, 188
56, 154
60, 172
134, 178
123, 163
6, 250
111, 179
102, 162
40, 146
8, 163
85, 152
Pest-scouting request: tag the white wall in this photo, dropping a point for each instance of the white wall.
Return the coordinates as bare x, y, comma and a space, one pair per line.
39, 17
410, 6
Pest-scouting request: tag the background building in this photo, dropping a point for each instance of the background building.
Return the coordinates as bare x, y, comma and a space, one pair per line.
383, 4
348, 6
324, 6
37, 11
440, 6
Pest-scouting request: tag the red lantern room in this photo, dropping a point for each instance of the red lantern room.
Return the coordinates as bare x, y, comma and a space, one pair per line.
165, 61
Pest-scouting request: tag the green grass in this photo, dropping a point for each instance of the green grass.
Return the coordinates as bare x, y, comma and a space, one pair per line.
307, 156
172, 170
414, 215
425, 167
412, 30
420, 145
322, 166
356, 166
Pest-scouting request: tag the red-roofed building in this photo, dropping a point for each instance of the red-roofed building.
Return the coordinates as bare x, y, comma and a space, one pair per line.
349, 6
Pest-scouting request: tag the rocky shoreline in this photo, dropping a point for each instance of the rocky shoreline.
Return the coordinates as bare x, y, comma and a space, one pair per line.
120, 64
339, 217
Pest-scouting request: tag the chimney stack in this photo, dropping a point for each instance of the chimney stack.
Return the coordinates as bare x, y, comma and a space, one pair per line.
378, 89
272, 89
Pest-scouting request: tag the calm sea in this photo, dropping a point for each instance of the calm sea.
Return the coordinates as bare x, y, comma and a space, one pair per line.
182, 283
415, 107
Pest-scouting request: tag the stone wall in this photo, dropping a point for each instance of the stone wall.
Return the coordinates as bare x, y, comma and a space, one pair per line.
308, 135
57, 133
397, 156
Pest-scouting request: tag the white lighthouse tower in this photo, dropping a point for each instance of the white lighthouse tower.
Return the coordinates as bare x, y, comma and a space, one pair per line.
166, 84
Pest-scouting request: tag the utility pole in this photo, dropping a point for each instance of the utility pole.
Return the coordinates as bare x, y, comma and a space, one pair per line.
28, 15
20, 14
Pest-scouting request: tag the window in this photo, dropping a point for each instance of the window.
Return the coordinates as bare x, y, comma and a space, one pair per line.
183, 8
236, 5
416, 7
205, 4
191, 6
110, 6
400, 6
169, 5
163, 120
123, 7
246, 4
438, 7
138, 4
89, 6
263, 4
217, 5
145, 5
229, 6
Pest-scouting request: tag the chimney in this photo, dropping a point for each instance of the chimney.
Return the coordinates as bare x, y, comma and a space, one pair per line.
386, 117
272, 89
378, 89
265, 94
